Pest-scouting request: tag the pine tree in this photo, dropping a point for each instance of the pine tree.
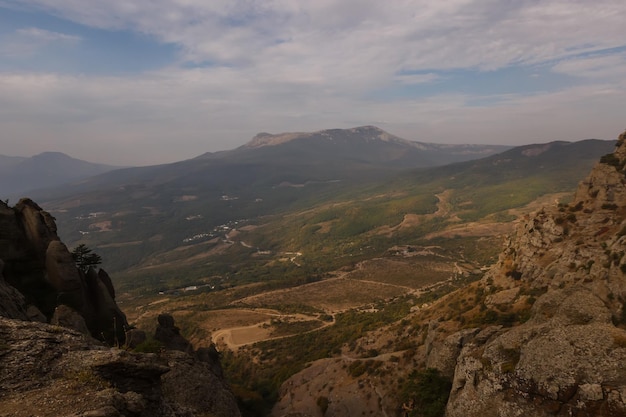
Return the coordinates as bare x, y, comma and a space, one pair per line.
85, 258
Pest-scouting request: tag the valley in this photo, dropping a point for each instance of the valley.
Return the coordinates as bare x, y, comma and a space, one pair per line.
357, 273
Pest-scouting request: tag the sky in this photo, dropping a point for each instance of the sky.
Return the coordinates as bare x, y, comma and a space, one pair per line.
139, 82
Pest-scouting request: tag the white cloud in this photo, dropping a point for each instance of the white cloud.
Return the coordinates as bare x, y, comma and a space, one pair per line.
599, 67
26, 42
268, 65
418, 34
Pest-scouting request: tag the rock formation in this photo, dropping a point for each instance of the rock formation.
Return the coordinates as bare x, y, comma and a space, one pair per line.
57, 325
51, 371
568, 358
42, 269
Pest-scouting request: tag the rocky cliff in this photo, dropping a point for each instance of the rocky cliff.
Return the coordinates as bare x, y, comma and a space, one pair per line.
57, 326
569, 262
543, 333
40, 267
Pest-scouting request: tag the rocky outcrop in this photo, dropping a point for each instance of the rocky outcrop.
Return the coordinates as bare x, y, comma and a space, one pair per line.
168, 334
13, 303
567, 359
52, 371
40, 267
57, 325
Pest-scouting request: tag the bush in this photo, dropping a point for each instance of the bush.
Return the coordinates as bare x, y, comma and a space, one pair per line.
425, 393
322, 403
612, 160
149, 346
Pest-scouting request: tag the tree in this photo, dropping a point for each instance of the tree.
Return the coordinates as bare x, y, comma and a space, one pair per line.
85, 258
425, 393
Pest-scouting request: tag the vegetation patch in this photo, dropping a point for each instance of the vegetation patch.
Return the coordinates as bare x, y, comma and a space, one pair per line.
425, 393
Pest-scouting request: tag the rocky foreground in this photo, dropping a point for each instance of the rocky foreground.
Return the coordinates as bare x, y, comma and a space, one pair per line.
568, 358
57, 326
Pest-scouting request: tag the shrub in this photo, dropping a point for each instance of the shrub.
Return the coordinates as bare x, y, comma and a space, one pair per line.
426, 393
322, 403
150, 345
612, 160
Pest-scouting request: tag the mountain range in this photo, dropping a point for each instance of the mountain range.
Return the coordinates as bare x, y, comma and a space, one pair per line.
352, 285
19, 175
166, 215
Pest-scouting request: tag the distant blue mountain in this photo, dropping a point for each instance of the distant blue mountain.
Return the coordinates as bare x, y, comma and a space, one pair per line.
20, 175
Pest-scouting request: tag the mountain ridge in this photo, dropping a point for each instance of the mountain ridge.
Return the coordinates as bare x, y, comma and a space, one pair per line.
20, 175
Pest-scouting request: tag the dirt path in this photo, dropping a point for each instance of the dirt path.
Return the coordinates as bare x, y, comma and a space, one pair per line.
236, 337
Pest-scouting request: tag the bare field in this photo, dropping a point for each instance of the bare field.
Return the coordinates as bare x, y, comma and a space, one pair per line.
331, 295
408, 274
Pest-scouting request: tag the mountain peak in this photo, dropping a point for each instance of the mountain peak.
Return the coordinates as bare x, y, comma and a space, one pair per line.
364, 133
269, 139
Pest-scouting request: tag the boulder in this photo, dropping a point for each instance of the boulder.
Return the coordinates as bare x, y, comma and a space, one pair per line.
12, 303
168, 334
68, 317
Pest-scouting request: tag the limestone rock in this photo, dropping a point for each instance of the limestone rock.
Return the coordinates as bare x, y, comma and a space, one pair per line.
68, 317
102, 314
13, 304
135, 337
168, 334
40, 268
567, 359
443, 354
38, 225
52, 371
194, 386
62, 274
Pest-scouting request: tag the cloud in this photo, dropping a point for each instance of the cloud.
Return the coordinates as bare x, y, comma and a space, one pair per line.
27, 42
599, 67
404, 34
245, 66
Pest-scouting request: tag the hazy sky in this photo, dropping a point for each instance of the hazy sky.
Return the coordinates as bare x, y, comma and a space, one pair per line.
152, 81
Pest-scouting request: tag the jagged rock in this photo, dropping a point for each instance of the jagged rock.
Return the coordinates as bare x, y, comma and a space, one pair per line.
34, 314
52, 371
168, 334
106, 280
40, 267
211, 357
38, 225
102, 314
442, 355
57, 369
189, 381
135, 337
68, 317
62, 274
567, 359
13, 304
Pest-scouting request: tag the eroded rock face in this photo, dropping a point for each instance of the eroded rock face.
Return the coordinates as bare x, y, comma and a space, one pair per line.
52, 371
13, 303
64, 368
568, 358
41, 268
168, 334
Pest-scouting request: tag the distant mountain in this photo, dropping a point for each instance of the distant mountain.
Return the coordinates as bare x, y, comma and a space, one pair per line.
132, 214
19, 175
268, 164
360, 145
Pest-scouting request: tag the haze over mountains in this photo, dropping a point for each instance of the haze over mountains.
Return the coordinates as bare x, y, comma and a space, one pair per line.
306, 255
362, 148
132, 215
19, 175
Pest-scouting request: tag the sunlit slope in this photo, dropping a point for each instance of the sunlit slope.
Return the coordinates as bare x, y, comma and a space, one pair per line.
298, 231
